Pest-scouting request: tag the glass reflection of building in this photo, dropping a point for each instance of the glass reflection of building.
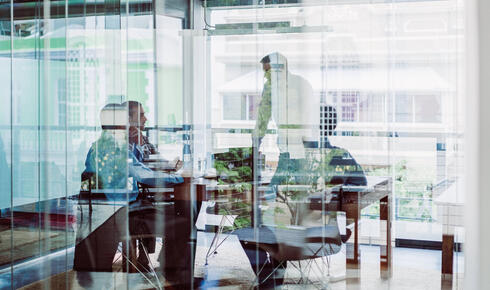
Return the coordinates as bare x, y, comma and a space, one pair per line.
387, 82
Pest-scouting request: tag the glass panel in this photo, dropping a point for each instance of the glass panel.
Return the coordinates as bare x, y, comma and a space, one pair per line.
385, 72
26, 141
404, 108
427, 109
272, 143
6, 147
67, 154
233, 107
169, 62
269, 181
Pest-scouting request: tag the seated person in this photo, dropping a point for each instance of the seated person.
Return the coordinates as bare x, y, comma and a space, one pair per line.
331, 166
341, 167
138, 142
115, 167
113, 157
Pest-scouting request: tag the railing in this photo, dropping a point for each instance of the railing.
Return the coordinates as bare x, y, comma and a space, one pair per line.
425, 205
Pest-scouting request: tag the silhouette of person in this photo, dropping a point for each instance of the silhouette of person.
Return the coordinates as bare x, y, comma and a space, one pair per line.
112, 162
138, 142
341, 167
287, 100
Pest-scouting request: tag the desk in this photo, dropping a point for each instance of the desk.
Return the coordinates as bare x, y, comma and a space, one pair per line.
176, 223
351, 200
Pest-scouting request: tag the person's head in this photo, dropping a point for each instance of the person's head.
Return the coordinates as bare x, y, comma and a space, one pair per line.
113, 116
266, 63
275, 61
136, 114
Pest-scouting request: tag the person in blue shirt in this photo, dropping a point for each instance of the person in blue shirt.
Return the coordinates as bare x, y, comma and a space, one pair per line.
115, 161
115, 166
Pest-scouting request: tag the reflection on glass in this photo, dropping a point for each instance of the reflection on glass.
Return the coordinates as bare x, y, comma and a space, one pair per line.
307, 128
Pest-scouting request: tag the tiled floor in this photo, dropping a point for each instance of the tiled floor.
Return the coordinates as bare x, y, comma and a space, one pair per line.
412, 269
230, 269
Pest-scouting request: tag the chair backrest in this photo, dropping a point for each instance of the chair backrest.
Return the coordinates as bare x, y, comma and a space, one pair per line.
114, 117
299, 243
323, 241
291, 243
86, 180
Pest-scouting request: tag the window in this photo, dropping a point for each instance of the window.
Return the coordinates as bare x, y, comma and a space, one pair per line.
349, 105
240, 107
61, 101
427, 109
371, 108
417, 108
403, 108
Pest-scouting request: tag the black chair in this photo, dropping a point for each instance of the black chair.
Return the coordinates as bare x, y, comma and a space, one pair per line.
87, 177
296, 245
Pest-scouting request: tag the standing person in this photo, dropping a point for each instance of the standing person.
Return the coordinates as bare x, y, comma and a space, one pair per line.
287, 99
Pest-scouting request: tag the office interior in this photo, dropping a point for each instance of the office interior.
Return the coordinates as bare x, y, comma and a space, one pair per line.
239, 144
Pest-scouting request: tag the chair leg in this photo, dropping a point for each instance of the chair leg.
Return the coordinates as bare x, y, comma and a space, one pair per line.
301, 272
129, 255
215, 243
151, 266
268, 276
135, 266
321, 266
306, 278
257, 276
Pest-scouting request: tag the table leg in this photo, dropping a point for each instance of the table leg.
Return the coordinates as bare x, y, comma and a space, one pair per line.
354, 259
447, 255
356, 242
129, 256
386, 250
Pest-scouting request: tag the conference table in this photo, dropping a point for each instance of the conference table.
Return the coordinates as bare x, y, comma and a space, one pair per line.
175, 218
351, 200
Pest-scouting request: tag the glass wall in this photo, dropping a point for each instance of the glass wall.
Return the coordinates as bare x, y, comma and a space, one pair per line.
67, 70
394, 74
388, 71
231, 143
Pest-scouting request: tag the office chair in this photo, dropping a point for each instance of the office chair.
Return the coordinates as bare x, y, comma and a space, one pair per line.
303, 244
86, 177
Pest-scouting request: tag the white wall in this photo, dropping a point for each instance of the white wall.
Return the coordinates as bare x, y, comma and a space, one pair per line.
477, 142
